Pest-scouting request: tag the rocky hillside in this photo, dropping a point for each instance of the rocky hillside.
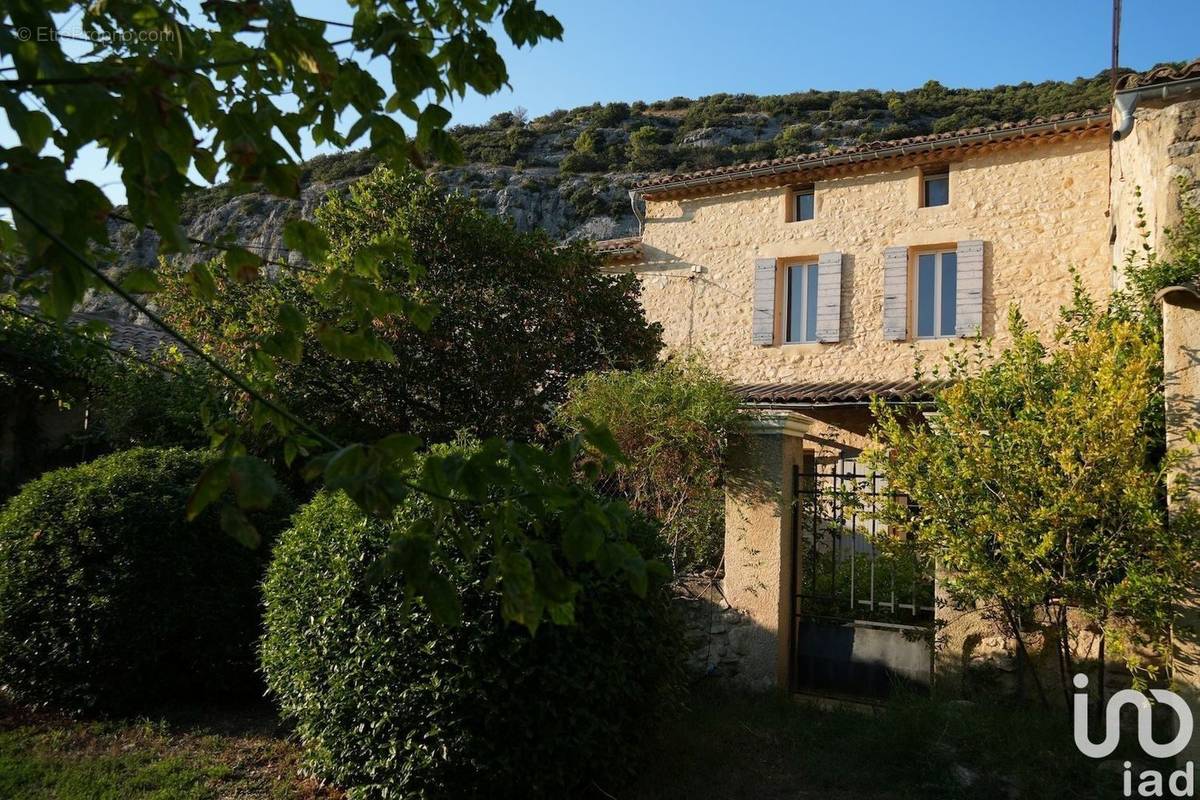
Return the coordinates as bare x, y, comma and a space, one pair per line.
568, 172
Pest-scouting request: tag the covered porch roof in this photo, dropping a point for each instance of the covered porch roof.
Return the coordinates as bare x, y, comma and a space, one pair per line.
835, 393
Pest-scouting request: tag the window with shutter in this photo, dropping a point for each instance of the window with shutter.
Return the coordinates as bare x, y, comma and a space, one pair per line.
829, 297
969, 291
895, 293
762, 315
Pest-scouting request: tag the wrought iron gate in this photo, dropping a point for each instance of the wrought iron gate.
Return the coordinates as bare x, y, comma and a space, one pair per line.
863, 605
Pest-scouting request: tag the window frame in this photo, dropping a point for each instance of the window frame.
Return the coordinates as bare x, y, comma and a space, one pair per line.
934, 174
938, 294
794, 203
804, 266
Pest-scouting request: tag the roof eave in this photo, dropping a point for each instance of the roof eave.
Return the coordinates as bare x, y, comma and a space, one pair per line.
1097, 121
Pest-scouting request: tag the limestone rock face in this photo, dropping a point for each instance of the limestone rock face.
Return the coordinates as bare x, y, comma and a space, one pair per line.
566, 207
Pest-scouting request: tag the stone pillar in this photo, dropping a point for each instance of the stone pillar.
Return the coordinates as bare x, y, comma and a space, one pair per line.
1181, 372
758, 545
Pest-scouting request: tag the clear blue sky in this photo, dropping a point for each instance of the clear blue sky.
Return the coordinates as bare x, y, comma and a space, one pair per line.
656, 49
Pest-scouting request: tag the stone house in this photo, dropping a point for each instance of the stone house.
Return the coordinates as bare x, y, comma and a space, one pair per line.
818, 281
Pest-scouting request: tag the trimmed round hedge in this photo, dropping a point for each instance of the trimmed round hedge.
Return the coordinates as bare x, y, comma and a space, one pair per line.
390, 704
110, 599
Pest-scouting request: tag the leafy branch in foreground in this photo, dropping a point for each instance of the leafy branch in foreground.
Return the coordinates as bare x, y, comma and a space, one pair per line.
165, 92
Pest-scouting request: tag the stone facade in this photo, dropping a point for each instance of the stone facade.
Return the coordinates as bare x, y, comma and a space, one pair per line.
1162, 148
718, 635
1043, 208
1040, 210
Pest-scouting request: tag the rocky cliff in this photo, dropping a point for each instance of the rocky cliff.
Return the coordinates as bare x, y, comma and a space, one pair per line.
569, 172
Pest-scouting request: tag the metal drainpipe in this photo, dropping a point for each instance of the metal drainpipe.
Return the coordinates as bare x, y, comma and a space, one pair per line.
1126, 102
634, 195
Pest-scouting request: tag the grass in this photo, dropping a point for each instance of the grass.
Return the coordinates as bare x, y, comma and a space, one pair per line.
725, 745
735, 746
189, 755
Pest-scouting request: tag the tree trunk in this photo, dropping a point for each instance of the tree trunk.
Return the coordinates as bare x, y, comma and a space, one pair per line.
1023, 659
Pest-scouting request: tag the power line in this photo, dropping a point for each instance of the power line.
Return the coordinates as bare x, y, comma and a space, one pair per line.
212, 363
226, 247
92, 341
228, 374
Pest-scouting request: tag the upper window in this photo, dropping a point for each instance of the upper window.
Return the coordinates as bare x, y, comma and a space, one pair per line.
935, 187
801, 322
803, 206
936, 292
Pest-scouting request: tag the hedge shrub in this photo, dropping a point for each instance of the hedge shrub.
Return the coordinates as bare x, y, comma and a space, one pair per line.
390, 704
674, 422
109, 598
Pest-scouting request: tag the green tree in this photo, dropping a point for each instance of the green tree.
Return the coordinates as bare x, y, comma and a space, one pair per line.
1037, 487
647, 148
232, 91
794, 140
131, 399
517, 317
673, 423
1041, 483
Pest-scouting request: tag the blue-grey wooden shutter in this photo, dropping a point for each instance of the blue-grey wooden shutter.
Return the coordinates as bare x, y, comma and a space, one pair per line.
968, 299
829, 297
895, 293
762, 330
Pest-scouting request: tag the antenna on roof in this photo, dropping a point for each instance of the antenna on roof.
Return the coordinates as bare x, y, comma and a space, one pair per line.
1116, 43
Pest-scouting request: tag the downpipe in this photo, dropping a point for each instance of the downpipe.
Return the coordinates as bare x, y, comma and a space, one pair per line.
1127, 101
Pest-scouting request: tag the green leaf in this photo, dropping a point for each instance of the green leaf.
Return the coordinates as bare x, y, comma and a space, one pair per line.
355, 345
290, 319
242, 265
34, 129
307, 239
562, 613
140, 281
518, 602
441, 598
399, 447
581, 539
601, 438
235, 523
206, 165
67, 285
200, 282
253, 482
212, 483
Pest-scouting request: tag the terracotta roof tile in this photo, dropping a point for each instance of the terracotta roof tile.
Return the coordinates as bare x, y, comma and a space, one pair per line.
1159, 75
618, 250
832, 392
881, 149
605, 245
126, 336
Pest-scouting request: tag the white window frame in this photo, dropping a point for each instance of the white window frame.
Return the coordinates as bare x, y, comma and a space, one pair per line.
933, 175
937, 295
796, 194
804, 267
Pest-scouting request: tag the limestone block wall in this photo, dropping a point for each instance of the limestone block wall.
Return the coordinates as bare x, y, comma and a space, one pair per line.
1163, 147
719, 636
1040, 209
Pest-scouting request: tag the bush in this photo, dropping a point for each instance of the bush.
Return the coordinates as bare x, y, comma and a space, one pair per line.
109, 598
673, 422
389, 703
